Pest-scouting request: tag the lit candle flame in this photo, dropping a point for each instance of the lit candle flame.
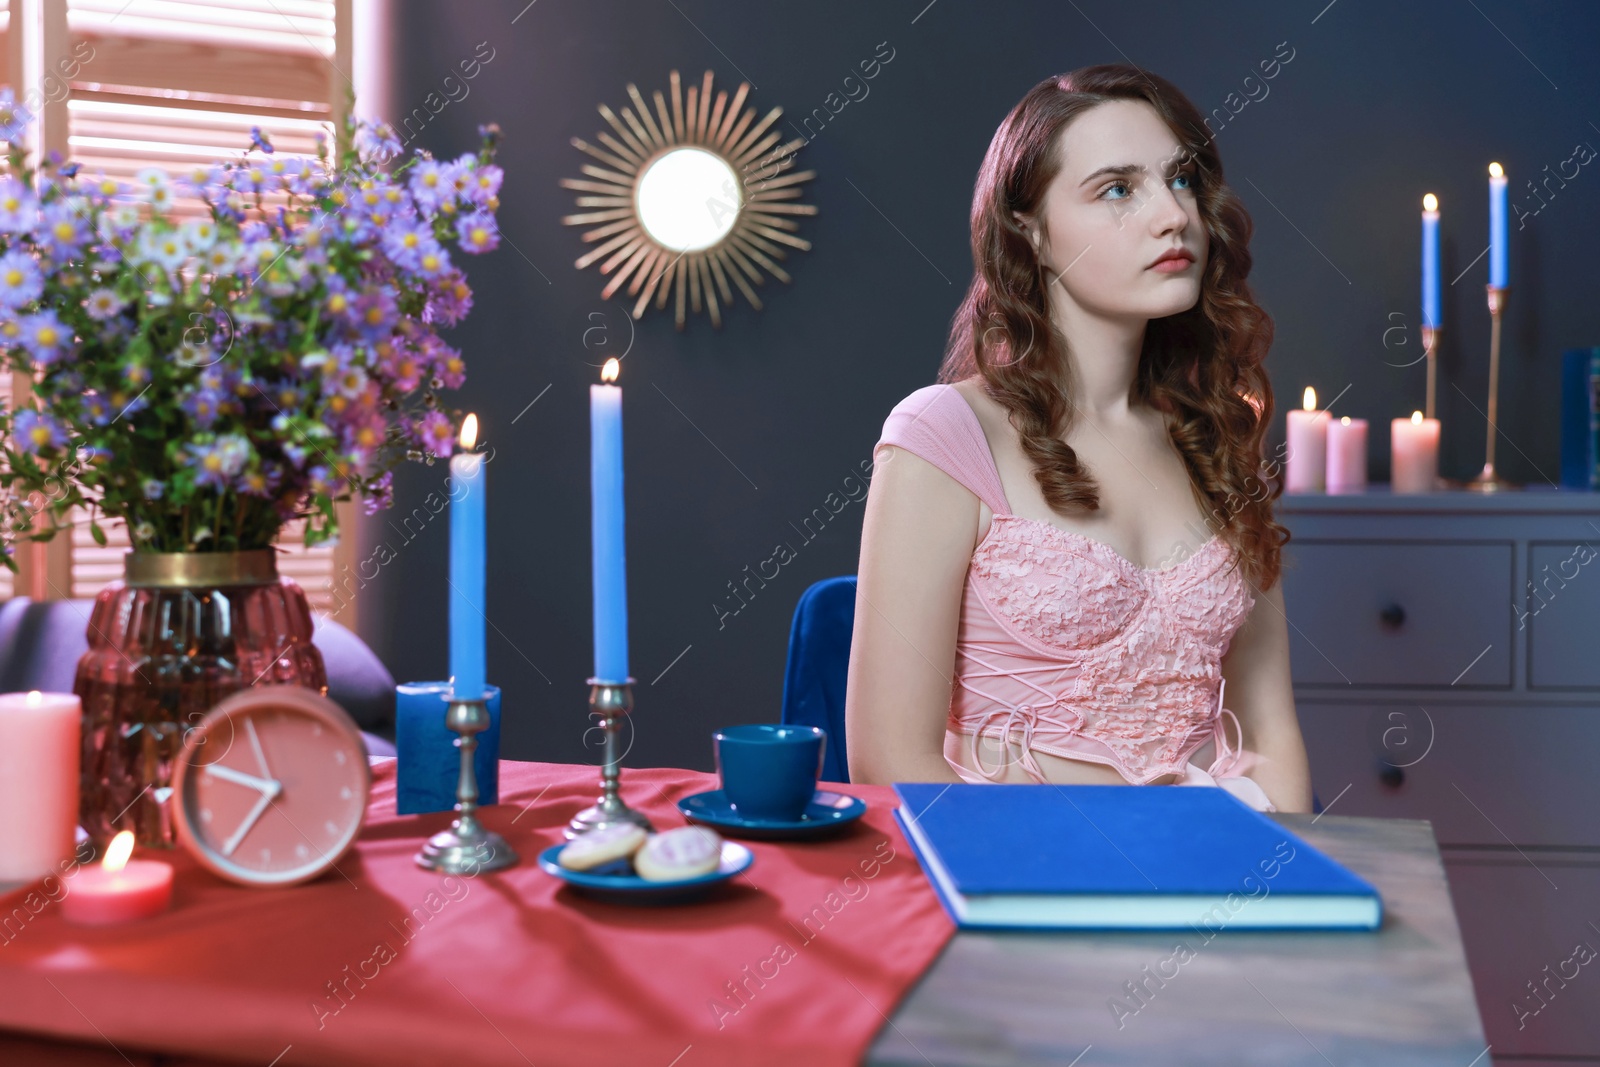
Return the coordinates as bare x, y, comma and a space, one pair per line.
1344, 420
1310, 399
609, 372
1495, 170
35, 698
118, 851
1416, 418
469, 432
1430, 203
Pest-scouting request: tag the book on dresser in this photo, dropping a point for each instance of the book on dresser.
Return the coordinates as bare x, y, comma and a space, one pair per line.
1025, 856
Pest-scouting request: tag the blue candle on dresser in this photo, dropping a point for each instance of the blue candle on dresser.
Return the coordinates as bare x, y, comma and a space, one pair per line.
606, 522
1499, 272
467, 566
1430, 260
429, 764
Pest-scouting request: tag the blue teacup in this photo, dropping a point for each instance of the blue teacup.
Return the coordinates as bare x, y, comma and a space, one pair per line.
770, 771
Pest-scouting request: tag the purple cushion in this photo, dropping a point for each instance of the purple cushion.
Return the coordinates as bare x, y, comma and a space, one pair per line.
40, 644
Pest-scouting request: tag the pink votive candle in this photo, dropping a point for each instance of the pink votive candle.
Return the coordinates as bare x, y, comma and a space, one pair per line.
1347, 455
119, 889
39, 748
1307, 438
1414, 454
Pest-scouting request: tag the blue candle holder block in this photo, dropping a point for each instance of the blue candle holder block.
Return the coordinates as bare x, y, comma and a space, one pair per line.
429, 764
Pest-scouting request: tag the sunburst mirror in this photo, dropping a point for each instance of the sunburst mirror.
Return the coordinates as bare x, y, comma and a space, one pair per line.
689, 201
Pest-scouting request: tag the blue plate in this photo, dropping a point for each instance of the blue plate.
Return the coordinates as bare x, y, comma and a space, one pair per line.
827, 812
631, 889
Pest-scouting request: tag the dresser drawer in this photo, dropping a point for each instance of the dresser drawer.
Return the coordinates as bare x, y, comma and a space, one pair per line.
1524, 922
1560, 608
1399, 613
1496, 775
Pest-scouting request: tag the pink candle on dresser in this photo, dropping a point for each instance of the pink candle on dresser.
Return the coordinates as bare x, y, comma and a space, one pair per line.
1308, 447
119, 889
1347, 455
39, 746
1414, 454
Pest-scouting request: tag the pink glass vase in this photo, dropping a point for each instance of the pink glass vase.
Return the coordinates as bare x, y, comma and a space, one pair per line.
181, 631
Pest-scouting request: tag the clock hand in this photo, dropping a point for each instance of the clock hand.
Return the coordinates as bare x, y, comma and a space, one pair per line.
244, 827
255, 742
266, 785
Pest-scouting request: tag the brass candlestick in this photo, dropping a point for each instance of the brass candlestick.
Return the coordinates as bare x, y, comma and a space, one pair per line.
1430, 344
468, 847
1487, 480
612, 701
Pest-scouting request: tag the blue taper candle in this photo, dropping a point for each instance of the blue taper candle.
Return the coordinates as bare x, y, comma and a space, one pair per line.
1430, 260
606, 520
1498, 247
467, 567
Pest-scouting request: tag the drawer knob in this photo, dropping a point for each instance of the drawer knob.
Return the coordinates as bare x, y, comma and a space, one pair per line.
1393, 615
1390, 775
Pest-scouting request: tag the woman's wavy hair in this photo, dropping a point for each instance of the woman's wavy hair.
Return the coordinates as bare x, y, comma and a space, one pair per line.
1201, 367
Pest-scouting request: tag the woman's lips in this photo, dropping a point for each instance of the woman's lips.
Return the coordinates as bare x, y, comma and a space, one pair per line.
1173, 266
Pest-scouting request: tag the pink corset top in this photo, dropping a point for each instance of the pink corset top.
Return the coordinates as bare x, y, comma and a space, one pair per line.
1067, 647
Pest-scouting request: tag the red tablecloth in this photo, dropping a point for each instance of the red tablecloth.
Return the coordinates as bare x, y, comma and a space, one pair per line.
800, 960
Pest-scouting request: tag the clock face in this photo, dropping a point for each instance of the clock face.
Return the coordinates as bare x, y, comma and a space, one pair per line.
271, 787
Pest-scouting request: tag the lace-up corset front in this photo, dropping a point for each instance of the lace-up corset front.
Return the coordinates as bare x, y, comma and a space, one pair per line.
1067, 647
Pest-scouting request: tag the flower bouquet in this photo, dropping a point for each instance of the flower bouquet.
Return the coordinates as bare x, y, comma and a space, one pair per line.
214, 354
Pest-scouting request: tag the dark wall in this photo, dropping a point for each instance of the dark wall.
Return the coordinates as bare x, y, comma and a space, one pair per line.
734, 438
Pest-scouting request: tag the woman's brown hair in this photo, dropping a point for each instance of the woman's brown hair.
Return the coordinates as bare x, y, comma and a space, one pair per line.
1199, 367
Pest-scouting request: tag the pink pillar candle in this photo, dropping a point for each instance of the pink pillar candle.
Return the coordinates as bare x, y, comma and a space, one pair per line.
1414, 454
39, 746
1308, 447
119, 889
1347, 455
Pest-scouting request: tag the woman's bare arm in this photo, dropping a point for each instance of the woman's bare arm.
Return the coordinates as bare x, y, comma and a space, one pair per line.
1260, 692
917, 538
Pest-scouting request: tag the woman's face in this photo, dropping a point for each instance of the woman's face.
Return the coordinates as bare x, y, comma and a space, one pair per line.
1124, 196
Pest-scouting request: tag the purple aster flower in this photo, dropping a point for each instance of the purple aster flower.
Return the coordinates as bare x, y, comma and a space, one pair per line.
450, 301
20, 280
153, 489
203, 407
61, 229
46, 337
478, 232
18, 208
14, 118
259, 140
380, 495
34, 430
405, 242
101, 304
434, 262
437, 434
376, 311
430, 184
97, 408
485, 185
377, 142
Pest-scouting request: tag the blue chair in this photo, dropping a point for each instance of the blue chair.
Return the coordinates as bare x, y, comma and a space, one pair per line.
819, 665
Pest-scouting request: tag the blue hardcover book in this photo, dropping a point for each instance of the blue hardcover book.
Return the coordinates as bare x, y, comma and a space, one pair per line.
1122, 857
1580, 418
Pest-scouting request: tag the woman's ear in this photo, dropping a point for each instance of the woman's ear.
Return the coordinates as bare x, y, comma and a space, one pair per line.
1028, 228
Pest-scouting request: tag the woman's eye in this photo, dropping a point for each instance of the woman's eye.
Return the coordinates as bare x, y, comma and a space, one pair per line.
1115, 185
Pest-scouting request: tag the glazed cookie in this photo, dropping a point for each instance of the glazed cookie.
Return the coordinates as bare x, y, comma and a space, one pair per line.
685, 852
605, 845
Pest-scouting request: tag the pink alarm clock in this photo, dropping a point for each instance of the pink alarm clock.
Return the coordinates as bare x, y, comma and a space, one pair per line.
270, 788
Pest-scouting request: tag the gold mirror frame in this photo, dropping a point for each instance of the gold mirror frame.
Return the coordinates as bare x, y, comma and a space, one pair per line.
762, 202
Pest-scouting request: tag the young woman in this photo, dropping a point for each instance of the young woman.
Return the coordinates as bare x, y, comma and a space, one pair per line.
1069, 553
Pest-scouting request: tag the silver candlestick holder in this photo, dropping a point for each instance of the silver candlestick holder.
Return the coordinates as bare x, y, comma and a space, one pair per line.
468, 847
612, 701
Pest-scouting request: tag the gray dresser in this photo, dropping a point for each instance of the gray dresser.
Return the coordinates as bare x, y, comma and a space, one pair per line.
1446, 659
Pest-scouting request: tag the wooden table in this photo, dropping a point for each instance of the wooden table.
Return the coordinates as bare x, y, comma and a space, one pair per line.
1397, 997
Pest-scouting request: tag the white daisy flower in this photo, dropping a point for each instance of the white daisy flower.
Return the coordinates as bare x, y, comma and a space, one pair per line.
199, 233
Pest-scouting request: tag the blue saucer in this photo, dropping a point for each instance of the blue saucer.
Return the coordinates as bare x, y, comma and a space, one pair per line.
827, 811
631, 889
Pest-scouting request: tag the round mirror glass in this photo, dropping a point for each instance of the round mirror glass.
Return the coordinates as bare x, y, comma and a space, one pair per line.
688, 199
